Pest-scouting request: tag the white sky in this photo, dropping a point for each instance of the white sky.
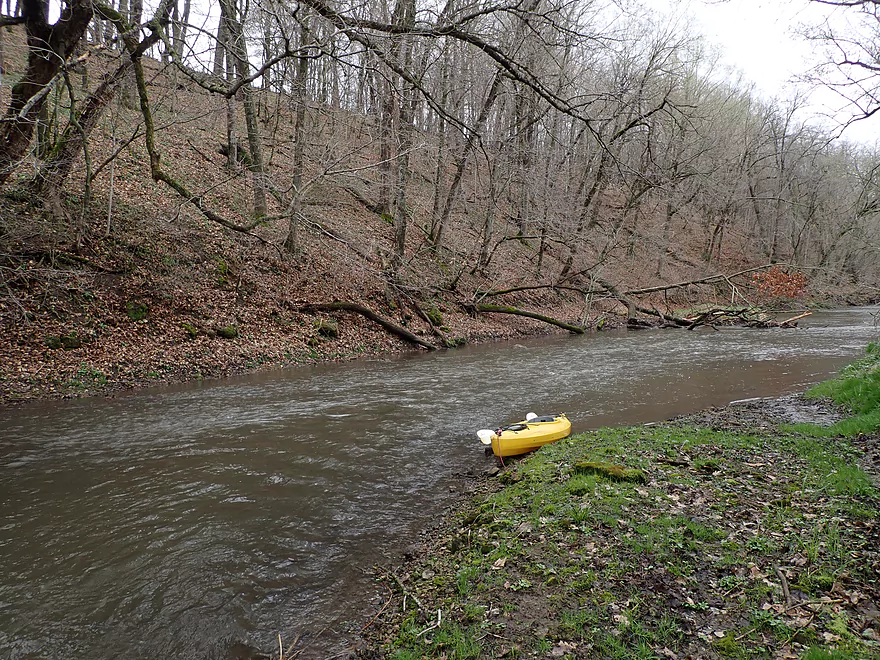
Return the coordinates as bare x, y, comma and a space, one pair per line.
759, 38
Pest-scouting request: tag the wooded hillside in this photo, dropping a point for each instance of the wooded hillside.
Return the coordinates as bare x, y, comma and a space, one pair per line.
185, 195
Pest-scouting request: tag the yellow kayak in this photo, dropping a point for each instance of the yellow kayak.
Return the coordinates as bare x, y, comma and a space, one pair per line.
526, 436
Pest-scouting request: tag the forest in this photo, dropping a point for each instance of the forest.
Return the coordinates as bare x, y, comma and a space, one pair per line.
189, 191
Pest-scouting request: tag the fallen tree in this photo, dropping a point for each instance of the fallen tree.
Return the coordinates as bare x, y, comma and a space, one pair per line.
747, 316
392, 328
500, 309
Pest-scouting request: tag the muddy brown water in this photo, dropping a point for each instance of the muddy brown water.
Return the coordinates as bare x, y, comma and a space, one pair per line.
181, 522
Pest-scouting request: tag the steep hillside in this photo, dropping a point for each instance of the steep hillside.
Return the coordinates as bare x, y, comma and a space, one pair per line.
123, 283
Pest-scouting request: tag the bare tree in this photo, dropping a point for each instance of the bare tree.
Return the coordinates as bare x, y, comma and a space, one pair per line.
50, 45
238, 53
291, 243
851, 68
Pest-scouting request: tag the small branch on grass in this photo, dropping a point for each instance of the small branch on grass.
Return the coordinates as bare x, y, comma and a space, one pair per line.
433, 627
404, 591
784, 582
809, 604
748, 632
799, 629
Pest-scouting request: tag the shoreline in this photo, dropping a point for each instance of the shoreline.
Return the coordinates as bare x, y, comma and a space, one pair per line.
723, 548
121, 356
82, 372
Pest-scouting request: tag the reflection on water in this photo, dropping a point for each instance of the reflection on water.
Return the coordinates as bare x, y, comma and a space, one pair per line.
173, 522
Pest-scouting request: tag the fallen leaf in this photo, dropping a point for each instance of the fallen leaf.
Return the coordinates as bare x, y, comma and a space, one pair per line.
562, 648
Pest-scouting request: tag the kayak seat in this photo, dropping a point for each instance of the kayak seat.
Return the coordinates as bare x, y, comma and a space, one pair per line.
515, 427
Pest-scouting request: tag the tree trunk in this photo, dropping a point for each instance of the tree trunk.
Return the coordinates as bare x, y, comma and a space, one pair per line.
438, 224
589, 213
239, 55
221, 47
180, 32
2, 70
405, 13
60, 161
291, 244
387, 112
128, 88
68, 147
489, 218
439, 172
29, 94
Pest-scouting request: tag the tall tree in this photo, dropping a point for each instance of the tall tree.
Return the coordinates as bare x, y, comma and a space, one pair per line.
851, 68
239, 56
291, 243
50, 45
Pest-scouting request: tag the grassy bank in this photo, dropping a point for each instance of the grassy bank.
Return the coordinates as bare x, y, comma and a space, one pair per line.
728, 535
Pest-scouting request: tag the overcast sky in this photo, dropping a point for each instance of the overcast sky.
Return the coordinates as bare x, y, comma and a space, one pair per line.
760, 38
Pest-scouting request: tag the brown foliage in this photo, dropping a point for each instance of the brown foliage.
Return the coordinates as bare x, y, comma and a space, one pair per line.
779, 283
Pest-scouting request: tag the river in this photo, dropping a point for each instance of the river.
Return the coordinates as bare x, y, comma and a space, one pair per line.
175, 522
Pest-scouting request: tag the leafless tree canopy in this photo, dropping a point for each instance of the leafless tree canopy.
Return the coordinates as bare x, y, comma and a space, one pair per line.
585, 129
851, 41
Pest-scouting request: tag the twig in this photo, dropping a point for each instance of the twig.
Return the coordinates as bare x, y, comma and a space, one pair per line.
289, 648
11, 297
808, 603
745, 634
784, 582
406, 593
803, 627
384, 607
436, 625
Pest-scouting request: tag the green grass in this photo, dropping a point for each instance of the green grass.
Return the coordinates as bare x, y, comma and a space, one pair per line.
857, 388
817, 653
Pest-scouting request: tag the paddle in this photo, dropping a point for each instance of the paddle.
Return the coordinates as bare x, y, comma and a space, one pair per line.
485, 436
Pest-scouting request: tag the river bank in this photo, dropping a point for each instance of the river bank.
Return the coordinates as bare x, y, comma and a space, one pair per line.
146, 309
117, 350
268, 496
743, 532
